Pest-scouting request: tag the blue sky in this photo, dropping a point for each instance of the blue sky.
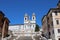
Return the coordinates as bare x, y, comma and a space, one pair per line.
15, 9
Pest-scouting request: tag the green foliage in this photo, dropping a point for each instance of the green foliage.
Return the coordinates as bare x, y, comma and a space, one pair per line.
37, 28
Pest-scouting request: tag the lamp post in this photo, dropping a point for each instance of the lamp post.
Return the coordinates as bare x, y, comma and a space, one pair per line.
3, 30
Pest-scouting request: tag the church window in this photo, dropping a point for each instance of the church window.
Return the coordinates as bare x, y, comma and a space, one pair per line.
33, 17
30, 26
25, 18
33, 25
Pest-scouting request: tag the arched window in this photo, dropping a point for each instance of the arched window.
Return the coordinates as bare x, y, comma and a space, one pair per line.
25, 18
33, 25
33, 18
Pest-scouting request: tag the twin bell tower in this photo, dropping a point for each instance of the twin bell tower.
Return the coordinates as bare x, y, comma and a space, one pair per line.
27, 18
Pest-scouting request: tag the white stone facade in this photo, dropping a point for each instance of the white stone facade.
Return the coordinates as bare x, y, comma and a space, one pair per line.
56, 35
54, 26
27, 27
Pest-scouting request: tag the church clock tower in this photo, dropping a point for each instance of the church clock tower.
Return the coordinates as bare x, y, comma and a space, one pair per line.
26, 18
33, 17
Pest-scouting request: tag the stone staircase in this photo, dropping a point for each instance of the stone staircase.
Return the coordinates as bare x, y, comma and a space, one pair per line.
25, 38
13, 37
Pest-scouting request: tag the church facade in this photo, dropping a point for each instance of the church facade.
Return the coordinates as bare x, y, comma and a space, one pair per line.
26, 28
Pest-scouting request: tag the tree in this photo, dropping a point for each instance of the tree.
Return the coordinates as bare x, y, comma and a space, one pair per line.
37, 28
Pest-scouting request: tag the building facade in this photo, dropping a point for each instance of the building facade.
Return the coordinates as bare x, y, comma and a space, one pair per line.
44, 27
3, 19
26, 28
51, 23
